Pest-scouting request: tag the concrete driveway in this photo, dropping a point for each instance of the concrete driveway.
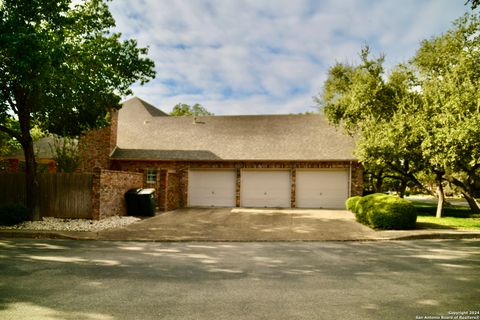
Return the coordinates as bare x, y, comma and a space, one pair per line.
245, 224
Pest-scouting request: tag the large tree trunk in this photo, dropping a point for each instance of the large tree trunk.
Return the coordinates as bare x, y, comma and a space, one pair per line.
31, 183
472, 202
378, 185
467, 192
440, 195
403, 188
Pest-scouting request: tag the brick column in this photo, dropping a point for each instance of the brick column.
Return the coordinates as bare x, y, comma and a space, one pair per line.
14, 165
97, 172
237, 187
172, 193
52, 167
293, 186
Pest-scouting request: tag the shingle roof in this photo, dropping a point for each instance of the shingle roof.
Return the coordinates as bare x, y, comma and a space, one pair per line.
142, 136
43, 148
135, 105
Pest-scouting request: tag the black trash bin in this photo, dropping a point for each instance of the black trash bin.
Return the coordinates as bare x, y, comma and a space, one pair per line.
140, 202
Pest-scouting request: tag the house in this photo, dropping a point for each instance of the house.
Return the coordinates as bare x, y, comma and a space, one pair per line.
44, 156
296, 161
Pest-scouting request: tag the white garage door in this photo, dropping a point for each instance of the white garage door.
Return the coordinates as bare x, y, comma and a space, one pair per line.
211, 188
265, 189
321, 189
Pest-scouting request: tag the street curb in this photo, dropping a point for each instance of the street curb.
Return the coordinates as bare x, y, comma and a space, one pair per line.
83, 235
66, 235
439, 236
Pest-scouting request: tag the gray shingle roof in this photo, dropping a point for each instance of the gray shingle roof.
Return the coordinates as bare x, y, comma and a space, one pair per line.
137, 105
43, 148
142, 136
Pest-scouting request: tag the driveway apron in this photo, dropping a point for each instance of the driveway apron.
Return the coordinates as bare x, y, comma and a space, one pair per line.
244, 224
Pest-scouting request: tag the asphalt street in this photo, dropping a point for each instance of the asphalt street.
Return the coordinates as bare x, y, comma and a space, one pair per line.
95, 280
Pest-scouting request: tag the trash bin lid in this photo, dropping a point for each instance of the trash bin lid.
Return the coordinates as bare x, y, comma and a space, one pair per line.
146, 191
135, 191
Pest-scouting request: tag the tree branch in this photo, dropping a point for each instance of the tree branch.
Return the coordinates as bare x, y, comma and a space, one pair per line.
11, 132
8, 97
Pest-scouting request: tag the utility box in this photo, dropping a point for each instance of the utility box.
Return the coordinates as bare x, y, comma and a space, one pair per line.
140, 202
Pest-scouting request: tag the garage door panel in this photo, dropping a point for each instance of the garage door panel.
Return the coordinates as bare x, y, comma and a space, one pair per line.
322, 189
265, 189
211, 188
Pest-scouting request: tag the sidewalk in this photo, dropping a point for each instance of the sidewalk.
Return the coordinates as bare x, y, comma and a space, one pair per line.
246, 225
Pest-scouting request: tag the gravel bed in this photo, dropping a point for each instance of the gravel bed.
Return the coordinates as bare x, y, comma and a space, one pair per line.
58, 224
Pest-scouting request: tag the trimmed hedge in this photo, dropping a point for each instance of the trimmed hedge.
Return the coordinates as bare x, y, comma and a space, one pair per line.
381, 211
12, 214
351, 203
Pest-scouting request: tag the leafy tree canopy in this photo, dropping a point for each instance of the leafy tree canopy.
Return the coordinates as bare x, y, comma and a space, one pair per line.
423, 118
61, 65
62, 68
183, 109
449, 71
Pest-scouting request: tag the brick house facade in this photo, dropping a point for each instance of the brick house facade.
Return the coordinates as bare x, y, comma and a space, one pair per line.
172, 176
143, 139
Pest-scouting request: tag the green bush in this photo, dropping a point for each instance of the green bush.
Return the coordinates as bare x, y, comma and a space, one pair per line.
364, 204
382, 211
351, 203
13, 213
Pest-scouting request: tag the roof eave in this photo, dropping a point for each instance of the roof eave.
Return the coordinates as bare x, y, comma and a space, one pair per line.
233, 160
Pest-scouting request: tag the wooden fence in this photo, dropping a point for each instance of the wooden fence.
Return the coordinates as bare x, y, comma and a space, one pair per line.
62, 195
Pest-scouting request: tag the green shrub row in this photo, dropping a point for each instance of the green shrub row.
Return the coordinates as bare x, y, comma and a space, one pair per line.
381, 211
12, 214
351, 203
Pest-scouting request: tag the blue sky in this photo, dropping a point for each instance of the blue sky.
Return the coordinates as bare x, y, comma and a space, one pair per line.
268, 56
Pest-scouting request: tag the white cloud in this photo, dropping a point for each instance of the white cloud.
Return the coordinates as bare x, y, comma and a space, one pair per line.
261, 56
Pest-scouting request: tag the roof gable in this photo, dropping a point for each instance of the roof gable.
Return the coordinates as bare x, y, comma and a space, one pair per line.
137, 105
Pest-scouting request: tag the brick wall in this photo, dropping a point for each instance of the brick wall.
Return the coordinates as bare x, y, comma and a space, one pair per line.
9, 165
356, 179
172, 192
95, 146
108, 191
165, 192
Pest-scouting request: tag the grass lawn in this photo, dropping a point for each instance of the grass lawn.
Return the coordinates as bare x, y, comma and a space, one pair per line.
448, 223
454, 217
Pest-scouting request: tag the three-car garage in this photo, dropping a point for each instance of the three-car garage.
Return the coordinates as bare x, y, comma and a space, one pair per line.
310, 188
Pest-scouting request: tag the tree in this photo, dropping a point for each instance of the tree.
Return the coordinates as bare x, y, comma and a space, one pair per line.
424, 119
66, 155
376, 111
182, 109
62, 68
449, 72
473, 3
7, 143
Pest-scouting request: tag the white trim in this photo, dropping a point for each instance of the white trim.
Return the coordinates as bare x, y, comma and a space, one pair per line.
151, 172
350, 180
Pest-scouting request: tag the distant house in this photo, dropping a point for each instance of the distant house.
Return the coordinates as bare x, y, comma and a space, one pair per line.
44, 155
288, 161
